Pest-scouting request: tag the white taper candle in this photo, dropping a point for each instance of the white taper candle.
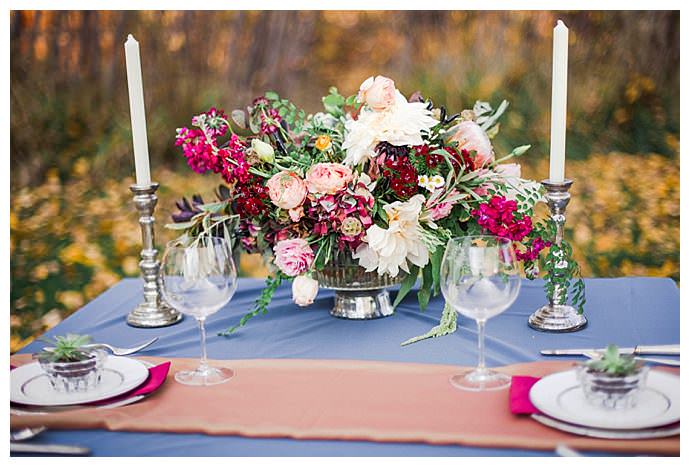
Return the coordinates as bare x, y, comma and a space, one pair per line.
137, 111
559, 98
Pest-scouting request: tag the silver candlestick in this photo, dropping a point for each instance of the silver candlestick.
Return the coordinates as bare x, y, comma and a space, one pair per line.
153, 312
558, 316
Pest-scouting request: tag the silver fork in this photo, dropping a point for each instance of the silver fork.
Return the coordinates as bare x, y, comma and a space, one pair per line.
119, 351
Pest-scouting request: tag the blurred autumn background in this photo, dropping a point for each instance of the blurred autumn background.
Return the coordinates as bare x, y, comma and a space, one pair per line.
74, 232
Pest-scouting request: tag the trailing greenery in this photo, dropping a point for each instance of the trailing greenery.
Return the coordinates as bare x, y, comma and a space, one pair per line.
560, 268
447, 325
261, 304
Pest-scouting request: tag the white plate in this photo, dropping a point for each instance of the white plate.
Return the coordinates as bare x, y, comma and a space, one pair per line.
30, 385
559, 396
647, 433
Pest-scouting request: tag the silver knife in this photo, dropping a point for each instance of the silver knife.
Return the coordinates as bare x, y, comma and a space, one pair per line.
673, 349
63, 449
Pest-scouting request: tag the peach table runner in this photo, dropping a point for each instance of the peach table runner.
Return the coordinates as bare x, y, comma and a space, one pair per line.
340, 400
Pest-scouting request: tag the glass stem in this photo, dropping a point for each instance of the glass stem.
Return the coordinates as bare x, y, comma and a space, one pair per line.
203, 365
481, 366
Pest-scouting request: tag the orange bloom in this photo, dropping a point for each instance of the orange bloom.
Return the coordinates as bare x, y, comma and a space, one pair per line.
323, 142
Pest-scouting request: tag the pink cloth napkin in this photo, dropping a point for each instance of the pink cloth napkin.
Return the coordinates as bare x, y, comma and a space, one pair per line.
157, 375
156, 378
519, 395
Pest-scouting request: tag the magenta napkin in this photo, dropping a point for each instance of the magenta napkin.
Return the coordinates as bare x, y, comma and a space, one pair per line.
519, 395
156, 378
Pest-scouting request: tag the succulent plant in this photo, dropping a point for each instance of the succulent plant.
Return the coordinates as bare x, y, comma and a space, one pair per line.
67, 349
613, 363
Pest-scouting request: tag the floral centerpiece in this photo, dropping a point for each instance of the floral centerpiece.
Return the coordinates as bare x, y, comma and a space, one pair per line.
375, 179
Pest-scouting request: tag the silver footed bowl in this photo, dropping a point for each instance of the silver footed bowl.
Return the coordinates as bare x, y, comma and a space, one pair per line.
358, 294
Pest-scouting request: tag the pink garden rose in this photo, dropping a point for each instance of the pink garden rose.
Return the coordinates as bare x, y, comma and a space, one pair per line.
328, 178
286, 190
471, 137
293, 257
378, 93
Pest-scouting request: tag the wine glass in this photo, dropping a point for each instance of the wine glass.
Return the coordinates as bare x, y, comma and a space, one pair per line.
480, 279
198, 277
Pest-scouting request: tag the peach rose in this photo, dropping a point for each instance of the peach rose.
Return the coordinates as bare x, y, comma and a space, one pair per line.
286, 190
470, 136
293, 257
328, 178
378, 93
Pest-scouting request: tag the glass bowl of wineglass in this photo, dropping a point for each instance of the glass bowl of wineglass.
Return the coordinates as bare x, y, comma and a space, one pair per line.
198, 277
480, 278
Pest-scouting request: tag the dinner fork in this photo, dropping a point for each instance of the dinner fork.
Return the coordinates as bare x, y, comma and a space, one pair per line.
119, 351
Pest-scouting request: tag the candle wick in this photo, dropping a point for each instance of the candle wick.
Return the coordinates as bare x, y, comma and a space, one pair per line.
131, 38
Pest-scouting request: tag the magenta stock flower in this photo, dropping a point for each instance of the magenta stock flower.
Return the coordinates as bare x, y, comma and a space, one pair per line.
270, 121
533, 250
293, 257
198, 150
498, 218
212, 121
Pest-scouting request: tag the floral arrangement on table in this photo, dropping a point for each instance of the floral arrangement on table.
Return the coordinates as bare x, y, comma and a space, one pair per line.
375, 178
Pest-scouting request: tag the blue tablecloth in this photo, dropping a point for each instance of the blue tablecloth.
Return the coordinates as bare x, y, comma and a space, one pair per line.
626, 311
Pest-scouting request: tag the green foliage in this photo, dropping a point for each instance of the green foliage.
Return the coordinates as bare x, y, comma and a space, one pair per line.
334, 102
447, 325
288, 111
613, 363
561, 270
406, 285
261, 304
68, 348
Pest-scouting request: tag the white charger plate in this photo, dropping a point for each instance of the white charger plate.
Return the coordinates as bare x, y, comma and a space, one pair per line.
559, 396
30, 385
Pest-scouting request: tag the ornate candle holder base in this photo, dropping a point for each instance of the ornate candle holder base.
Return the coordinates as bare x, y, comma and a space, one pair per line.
362, 304
147, 316
557, 318
153, 312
